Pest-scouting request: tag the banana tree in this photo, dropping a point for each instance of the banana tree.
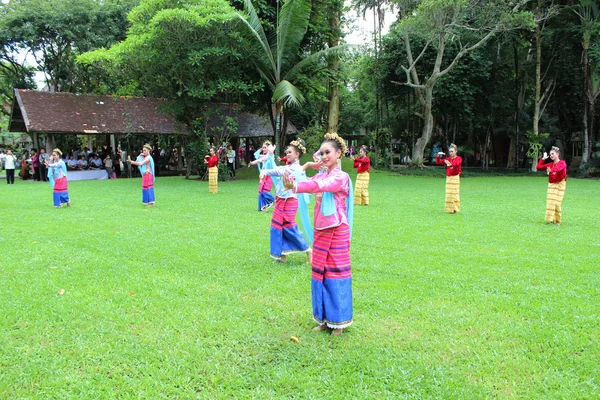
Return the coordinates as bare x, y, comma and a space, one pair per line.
277, 59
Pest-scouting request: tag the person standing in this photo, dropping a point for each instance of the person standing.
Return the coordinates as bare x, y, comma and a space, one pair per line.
265, 159
557, 184
231, 159
145, 163
331, 268
10, 161
363, 165
453, 171
57, 175
156, 158
42, 159
286, 237
35, 164
213, 170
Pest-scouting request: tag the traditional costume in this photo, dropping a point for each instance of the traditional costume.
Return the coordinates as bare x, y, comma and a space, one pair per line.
331, 271
453, 172
265, 161
57, 176
286, 238
361, 194
213, 173
147, 170
557, 183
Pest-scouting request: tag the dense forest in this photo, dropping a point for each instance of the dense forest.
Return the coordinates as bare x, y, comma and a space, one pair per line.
504, 80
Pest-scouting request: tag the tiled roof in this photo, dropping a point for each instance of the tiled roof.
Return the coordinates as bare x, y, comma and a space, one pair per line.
46, 112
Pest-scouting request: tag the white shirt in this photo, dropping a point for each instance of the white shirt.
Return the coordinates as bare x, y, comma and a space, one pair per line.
9, 161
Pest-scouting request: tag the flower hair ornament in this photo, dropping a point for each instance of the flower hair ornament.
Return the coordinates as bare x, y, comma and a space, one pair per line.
299, 144
337, 138
57, 151
147, 146
556, 149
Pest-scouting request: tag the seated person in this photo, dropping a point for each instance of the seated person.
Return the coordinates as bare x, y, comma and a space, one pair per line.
82, 163
72, 163
95, 162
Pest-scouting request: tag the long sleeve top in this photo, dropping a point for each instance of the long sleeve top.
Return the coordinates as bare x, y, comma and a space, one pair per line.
290, 169
212, 161
363, 164
336, 182
57, 170
558, 171
451, 170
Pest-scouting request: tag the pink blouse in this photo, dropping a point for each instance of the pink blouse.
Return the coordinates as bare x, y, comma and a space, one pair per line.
337, 182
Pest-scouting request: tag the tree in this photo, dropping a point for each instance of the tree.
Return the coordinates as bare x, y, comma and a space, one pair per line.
590, 30
278, 60
437, 23
56, 31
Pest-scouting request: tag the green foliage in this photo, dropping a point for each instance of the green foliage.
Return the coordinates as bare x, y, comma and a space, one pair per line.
186, 51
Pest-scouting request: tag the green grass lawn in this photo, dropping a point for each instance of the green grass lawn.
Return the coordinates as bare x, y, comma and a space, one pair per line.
183, 301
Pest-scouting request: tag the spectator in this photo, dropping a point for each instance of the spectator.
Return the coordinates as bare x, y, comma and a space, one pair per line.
25, 166
35, 164
231, 159
108, 165
155, 154
2, 158
86, 154
82, 163
95, 162
42, 159
10, 161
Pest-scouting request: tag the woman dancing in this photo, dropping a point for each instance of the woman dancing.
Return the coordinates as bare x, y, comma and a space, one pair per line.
453, 171
331, 270
265, 159
146, 165
57, 175
363, 165
213, 170
557, 183
286, 238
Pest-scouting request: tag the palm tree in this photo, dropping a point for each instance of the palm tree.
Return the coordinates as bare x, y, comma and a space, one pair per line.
277, 60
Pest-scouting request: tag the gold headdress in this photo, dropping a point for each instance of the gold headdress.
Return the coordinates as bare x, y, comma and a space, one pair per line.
147, 146
299, 144
556, 149
340, 141
57, 151
267, 142
453, 146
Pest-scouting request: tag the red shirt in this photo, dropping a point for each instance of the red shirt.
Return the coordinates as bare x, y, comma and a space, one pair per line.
284, 160
451, 170
363, 164
212, 161
558, 171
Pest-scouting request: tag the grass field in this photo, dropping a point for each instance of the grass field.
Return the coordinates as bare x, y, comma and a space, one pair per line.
183, 301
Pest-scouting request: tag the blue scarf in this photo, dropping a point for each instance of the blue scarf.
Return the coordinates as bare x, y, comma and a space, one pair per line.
328, 205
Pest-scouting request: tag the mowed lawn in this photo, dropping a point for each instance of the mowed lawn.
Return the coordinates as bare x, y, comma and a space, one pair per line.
183, 300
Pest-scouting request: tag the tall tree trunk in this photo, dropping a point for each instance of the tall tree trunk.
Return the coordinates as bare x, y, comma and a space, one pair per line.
427, 131
538, 80
333, 114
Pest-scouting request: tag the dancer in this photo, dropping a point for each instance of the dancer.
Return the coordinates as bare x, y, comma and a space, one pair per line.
265, 157
213, 170
286, 238
331, 270
57, 175
363, 164
557, 183
146, 166
453, 171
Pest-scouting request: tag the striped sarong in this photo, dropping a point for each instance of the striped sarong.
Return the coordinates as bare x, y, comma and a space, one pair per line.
61, 191
556, 193
148, 189
213, 178
286, 237
452, 194
332, 277
361, 192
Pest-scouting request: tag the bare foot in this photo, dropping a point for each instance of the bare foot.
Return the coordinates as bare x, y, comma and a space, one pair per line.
282, 259
309, 257
69, 204
337, 332
320, 328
